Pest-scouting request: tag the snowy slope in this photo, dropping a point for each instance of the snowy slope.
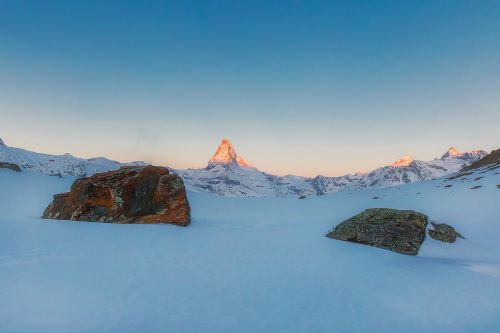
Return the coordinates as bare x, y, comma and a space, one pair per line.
224, 175
64, 165
250, 265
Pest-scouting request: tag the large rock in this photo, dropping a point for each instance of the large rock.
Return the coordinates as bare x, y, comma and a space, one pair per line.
137, 194
401, 231
11, 166
444, 232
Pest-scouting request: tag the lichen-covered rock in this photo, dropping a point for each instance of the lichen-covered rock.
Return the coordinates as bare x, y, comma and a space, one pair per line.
11, 166
444, 233
401, 231
136, 194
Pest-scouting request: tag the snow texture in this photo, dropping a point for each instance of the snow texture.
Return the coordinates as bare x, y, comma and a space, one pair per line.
250, 265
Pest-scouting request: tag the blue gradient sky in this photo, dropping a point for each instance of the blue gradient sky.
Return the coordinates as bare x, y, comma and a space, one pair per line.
303, 87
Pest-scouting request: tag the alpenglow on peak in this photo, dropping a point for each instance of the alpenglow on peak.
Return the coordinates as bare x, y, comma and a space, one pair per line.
403, 162
226, 155
452, 152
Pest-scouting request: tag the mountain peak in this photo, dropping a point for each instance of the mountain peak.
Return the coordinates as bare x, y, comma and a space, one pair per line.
1, 142
226, 155
472, 155
453, 152
402, 162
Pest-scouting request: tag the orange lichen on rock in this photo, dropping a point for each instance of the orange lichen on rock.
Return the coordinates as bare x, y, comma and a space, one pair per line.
137, 194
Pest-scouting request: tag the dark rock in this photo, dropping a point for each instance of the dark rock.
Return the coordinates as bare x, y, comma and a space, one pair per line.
475, 187
401, 231
302, 197
11, 166
138, 194
444, 233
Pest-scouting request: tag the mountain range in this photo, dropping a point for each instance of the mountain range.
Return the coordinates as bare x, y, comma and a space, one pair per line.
58, 165
229, 174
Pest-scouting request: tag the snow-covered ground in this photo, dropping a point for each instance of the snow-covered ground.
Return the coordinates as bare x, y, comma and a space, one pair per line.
249, 265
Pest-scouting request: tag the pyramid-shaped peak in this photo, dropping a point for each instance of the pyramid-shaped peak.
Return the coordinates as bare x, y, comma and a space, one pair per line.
403, 161
1, 142
452, 152
226, 155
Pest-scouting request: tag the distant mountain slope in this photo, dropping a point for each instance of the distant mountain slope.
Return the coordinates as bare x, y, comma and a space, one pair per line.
64, 165
490, 161
226, 176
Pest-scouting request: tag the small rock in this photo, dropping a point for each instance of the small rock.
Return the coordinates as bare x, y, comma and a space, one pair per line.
444, 233
302, 197
11, 166
475, 187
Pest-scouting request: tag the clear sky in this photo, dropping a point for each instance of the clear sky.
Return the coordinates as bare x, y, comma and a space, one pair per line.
302, 87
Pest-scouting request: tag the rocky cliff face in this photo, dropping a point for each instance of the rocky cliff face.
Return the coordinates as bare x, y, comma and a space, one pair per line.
129, 195
226, 155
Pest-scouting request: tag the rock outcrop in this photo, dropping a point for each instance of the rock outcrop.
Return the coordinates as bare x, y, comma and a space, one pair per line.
444, 233
135, 194
401, 231
12, 166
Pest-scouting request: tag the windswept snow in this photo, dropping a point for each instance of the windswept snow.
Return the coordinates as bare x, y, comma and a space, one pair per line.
249, 265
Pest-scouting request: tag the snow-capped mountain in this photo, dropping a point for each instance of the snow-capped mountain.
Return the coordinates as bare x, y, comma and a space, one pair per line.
226, 155
230, 175
63, 165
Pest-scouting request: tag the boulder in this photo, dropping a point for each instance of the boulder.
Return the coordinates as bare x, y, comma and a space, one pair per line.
444, 232
135, 194
401, 231
11, 166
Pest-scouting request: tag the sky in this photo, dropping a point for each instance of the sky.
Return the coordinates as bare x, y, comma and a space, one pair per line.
299, 87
